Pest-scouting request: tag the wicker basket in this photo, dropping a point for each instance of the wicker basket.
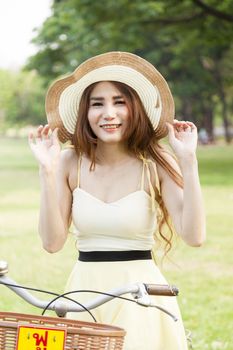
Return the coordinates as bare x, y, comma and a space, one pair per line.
80, 335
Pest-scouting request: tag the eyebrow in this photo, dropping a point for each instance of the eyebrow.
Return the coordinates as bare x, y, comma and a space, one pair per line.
102, 98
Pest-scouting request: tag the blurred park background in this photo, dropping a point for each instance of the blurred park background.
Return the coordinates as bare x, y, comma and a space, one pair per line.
190, 42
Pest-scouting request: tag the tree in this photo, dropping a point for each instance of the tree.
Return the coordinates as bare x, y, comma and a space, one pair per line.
21, 98
187, 40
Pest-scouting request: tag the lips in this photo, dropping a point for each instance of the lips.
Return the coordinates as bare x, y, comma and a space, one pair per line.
110, 126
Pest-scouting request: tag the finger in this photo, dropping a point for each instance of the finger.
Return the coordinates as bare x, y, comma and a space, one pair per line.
55, 136
176, 123
38, 133
34, 134
185, 126
192, 125
179, 125
41, 133
30, 137
39, 129
45, 131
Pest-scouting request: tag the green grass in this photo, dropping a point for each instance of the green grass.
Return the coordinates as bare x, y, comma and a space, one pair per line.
216, 165
204, 275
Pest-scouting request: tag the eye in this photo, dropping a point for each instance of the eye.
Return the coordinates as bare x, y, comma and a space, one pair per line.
120, 102
96, 104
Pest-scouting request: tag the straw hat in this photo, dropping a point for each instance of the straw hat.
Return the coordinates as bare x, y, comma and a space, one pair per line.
63, 97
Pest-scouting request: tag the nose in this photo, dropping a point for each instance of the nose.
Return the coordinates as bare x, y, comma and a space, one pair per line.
109, 113
108, 118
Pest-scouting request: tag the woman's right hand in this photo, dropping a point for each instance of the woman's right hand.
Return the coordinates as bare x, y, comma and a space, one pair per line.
45, 146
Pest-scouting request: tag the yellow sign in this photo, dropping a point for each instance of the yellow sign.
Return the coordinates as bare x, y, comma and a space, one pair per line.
40, 338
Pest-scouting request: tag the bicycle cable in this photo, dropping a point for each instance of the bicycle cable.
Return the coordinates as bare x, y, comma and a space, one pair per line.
64, 295
85, 291
51, 293
107, 294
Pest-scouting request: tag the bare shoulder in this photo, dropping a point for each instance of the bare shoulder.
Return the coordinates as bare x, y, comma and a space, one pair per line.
69, 167
68, 160
68, 156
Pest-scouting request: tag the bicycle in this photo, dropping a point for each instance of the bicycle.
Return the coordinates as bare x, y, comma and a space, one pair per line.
32, 332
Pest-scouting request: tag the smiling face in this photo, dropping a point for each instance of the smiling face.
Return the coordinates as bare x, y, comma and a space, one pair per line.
108, 114
129, 126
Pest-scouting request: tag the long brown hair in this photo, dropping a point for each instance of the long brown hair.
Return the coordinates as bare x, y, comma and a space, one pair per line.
140, 138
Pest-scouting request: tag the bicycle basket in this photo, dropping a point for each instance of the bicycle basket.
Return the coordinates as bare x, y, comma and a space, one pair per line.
78, 335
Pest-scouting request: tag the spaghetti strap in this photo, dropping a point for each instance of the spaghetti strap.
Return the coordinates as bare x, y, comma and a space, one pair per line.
145, 167
79, 170
143, 175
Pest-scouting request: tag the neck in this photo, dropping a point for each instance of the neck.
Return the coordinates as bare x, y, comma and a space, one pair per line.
111, 154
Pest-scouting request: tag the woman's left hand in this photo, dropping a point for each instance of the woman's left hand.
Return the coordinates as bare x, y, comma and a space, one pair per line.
182, 136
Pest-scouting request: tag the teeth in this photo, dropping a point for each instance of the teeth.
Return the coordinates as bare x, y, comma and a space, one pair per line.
113, 126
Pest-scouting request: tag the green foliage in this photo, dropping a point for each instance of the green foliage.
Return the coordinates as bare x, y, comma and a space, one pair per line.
21, 98
189, 41
85, 28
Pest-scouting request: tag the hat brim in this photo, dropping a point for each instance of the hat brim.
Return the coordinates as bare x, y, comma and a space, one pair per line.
63, 97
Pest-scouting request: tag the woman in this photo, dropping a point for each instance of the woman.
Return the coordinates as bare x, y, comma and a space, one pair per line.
119, 186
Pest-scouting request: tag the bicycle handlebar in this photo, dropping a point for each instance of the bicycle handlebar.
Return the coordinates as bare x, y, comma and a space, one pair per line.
161, 289
139, 291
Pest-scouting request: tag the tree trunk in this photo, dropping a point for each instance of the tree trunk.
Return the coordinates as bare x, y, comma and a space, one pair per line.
208, 122
187, 110
222, 96
226, 123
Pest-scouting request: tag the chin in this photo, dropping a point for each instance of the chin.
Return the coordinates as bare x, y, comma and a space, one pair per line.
111, 140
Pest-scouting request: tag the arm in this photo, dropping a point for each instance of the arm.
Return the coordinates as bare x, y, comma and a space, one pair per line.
185, 206
56, 197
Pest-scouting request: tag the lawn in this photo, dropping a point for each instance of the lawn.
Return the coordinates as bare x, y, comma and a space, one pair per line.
204, 275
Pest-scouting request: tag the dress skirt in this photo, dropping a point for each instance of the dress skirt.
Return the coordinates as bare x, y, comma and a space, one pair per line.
147, 328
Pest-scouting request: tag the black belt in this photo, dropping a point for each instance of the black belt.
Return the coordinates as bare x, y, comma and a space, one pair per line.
124, 255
